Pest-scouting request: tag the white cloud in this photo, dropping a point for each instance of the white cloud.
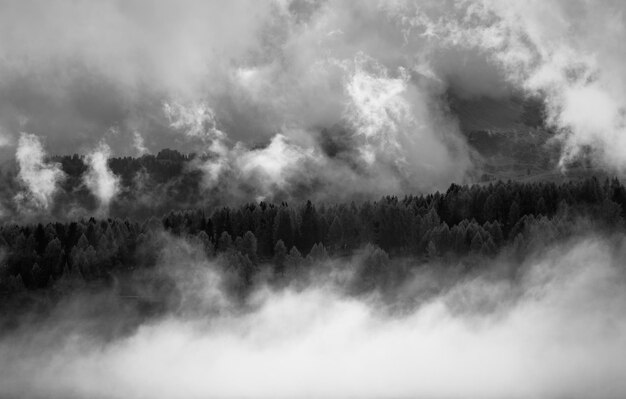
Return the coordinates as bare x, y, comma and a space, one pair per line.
38, 176
246, 71
271, 167
139, 144
278, 72
570, 51
99, 178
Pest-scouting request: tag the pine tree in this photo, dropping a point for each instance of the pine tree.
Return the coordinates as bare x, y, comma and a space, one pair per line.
309, 228
431, 250
53, 257
318, 253
283, 229
207, 245
541, 208
225, 242
477, 243
293, 262
280, 256
335, 235
514, 214
249, 246
375, 265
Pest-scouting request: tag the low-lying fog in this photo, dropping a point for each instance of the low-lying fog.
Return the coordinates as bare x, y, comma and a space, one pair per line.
556, 328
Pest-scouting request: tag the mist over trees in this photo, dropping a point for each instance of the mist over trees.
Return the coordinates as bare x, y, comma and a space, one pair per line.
283, 239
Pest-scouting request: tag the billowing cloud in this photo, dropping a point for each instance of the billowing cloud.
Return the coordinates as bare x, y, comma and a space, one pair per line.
396, 123
37, 175
99, 178
272, 166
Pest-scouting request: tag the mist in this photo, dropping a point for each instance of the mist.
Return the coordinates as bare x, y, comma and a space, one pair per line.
37, 177
553, 329
99, 178
307, 199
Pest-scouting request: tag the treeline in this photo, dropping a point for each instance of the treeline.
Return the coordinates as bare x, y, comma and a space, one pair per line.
166, 178
148, 185
281, 239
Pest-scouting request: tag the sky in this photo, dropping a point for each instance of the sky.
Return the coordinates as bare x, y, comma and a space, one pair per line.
357, 91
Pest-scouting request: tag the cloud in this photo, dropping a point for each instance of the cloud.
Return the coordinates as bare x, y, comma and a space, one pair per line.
139, 144
99, 178
557, 330
204, 76
254, 70
566, 51
398, 124
38, 177
5, 139
79, 69
272, 167
395, 140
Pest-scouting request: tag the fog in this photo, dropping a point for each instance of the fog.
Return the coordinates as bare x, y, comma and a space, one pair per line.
550, 327
38, 177
99, 178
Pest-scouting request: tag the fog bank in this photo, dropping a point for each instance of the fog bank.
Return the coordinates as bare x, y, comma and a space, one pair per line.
557, 329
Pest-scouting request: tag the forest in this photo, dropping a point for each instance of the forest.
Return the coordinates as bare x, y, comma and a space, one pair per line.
281, 241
